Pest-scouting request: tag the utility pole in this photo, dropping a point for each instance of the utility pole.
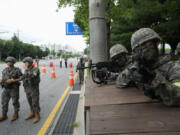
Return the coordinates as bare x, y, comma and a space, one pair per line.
98, 33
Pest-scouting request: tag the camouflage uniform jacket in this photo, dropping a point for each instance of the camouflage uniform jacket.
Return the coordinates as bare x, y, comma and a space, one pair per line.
165, 85
13, 73
31, 78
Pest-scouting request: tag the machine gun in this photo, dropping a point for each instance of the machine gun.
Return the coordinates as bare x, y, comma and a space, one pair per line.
101, 71
142, 74
140, 69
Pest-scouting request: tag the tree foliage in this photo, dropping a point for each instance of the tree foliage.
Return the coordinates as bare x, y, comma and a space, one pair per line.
127, 16
19, 50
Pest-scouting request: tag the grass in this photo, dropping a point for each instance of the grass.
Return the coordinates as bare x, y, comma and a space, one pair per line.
74, 125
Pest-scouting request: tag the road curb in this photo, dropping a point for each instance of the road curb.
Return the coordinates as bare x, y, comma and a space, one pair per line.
80, 130
55, 121
60, 111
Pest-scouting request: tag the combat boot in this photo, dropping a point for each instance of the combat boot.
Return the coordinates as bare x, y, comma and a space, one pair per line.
30, 116
3, 117
37, 117
15, 116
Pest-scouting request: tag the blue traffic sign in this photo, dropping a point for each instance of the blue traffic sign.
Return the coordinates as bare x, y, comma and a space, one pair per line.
73, 29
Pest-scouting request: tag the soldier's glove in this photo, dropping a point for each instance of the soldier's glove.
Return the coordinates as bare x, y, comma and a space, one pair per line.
134, 73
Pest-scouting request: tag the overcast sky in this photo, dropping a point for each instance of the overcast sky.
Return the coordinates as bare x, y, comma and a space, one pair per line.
37, 22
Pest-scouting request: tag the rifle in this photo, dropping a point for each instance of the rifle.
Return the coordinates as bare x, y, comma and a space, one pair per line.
101, 71
140, 70
142, 74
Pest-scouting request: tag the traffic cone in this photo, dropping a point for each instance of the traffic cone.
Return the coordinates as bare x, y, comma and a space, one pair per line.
53, 75
51, 64
70, 65
44, 69
71, 72
53, 68
35, 64
71, 80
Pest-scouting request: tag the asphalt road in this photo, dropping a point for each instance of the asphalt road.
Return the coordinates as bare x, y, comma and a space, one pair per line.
50, 92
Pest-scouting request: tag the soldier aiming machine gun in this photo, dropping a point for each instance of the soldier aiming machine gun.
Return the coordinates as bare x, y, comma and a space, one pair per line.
141, 73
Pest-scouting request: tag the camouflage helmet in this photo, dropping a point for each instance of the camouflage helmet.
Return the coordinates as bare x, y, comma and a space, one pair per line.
28, 59
142, 35
178, 48
117, 49
10, 59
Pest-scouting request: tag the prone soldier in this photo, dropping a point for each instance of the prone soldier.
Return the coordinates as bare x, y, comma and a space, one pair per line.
119, 56
158, 77
120, 59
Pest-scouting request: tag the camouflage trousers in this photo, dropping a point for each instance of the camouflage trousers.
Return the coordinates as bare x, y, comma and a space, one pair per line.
8, 94
32, 95
81, 75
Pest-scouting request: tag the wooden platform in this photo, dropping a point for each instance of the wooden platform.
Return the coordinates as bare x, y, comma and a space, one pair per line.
113, 111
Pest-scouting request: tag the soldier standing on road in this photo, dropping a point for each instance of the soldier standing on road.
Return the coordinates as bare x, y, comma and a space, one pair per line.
31, 80
10, 84
80, 67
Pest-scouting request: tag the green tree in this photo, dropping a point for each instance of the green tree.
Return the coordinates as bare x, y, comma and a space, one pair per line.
126, 16
18, 49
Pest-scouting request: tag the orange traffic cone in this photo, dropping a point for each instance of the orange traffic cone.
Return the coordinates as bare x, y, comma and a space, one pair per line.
44, 69
71, 72
35, 64
70, 65
71, 80
53, 68
53, 75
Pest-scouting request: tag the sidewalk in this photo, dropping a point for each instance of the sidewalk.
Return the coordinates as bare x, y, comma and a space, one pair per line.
69, 119
113, 111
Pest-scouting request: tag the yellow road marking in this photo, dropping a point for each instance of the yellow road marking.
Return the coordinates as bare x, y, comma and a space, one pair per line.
51, 116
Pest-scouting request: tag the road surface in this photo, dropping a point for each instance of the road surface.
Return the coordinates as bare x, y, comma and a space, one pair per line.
50, 92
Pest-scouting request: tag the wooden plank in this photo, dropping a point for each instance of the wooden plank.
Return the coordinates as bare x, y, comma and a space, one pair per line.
156, 133
109, 94
134, 118
87, 122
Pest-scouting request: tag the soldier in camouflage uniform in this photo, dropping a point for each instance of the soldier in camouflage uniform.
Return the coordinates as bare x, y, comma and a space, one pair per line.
80, 67
165, 82
31, 80
10, 84
119, 56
